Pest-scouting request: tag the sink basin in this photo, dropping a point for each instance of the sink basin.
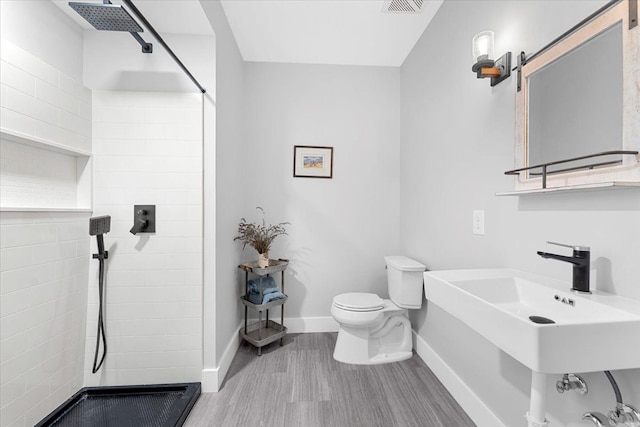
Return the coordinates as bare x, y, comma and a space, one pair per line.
582, 333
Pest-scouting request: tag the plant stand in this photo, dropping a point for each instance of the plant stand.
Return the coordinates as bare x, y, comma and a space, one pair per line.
265, 331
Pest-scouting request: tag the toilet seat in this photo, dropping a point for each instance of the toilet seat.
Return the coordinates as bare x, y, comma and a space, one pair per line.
358, 301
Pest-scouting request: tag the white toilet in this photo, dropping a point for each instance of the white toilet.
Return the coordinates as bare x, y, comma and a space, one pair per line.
375, 330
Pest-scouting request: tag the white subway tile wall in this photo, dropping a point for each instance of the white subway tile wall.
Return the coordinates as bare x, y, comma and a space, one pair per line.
147, 149
44, 256
32, 177
44, 265
38, 101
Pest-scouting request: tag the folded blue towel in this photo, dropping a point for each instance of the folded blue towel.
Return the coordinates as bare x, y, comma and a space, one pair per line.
270, 290
267, 282
254, 297
273, 296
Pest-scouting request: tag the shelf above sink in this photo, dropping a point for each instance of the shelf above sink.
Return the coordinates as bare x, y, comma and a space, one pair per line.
615, 185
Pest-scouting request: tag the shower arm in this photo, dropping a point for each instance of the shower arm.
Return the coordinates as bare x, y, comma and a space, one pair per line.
146, 47
155, 34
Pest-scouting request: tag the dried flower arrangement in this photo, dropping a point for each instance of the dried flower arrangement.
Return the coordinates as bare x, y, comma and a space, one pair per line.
259, 236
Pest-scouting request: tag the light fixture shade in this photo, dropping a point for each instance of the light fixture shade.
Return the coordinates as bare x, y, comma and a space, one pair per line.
483, 46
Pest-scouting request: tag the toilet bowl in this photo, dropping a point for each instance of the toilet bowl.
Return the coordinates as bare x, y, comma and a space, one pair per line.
373, 330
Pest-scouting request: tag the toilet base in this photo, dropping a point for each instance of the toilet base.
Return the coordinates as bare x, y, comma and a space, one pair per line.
390, 342
391, 357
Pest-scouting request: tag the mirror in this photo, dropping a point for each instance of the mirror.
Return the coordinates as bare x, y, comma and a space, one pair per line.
581, 96
595, 124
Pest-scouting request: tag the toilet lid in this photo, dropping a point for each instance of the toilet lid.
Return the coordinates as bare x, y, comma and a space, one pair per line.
358, 302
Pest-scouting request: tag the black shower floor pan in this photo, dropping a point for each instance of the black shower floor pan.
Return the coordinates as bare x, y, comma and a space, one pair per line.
160, 405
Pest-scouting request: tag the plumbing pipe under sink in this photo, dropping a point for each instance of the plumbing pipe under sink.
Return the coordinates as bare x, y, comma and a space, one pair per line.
623, 414
538, 401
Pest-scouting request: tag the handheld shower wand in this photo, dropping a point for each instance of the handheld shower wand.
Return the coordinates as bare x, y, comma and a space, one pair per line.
98, 226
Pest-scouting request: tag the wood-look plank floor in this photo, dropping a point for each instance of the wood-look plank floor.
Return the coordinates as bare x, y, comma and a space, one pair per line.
300, 384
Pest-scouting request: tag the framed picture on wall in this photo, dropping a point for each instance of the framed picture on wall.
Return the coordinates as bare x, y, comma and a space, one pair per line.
312, 162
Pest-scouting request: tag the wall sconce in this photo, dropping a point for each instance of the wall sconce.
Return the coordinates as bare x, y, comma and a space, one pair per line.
498, 69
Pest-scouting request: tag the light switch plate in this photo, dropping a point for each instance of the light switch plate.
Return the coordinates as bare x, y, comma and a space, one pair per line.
478, 222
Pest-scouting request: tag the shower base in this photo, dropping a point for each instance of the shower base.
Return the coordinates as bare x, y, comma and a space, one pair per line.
161, 405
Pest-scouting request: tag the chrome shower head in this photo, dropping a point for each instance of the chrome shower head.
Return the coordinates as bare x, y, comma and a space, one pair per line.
107, 17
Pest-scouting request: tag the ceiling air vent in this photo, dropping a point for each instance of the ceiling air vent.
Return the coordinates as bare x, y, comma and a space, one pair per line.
402, 6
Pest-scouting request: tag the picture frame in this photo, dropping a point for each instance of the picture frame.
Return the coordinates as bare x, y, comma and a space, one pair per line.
312, 161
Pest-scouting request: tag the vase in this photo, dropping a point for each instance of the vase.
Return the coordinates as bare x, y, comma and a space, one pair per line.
263, 260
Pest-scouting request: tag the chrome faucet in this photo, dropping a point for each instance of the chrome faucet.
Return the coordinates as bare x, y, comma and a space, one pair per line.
581, 261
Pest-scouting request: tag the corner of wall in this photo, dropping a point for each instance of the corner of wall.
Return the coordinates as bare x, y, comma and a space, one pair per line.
213, 378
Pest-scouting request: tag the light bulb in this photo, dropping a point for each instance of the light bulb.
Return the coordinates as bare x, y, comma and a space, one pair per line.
483, 46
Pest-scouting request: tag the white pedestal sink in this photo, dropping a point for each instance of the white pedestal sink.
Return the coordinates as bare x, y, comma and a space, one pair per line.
500, 303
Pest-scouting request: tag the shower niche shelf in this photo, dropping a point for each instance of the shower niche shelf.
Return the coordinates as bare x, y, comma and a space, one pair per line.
39, 175
263, 332
44, 144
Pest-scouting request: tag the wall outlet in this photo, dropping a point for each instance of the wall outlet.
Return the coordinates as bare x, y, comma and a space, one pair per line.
478, 222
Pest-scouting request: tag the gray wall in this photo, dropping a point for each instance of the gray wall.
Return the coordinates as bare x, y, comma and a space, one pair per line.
457, 140
341, 228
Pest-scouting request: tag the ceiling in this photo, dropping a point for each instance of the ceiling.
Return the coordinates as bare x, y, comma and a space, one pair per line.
349, 32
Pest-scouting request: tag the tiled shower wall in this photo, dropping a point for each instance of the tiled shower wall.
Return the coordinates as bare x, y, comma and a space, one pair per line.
41, 104
45, 262
148, 150
44, 256
39, 100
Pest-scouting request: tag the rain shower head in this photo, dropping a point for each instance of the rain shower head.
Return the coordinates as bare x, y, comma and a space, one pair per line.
111, 17
107, 17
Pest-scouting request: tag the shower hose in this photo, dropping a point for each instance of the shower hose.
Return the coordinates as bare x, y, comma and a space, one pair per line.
100, 332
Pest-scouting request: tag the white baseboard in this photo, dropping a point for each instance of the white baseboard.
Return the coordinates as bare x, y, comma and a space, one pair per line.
481, 415
305, 325
212, 379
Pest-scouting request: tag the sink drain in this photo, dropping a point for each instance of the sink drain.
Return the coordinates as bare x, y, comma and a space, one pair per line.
541, 320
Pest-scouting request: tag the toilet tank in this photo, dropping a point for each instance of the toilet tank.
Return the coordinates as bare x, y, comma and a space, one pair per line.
404, 278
